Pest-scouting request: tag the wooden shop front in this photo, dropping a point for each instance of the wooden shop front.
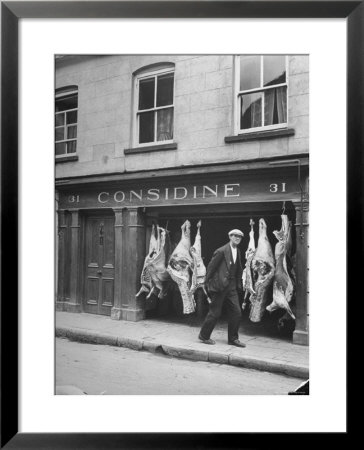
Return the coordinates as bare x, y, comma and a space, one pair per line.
104, 225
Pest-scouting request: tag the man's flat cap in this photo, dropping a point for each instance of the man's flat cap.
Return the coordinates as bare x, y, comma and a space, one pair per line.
237, 232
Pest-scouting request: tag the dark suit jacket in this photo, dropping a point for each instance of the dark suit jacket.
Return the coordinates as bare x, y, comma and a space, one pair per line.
217, 272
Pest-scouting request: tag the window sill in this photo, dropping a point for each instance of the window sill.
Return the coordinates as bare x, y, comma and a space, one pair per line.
271, 134
66, 158
150, 148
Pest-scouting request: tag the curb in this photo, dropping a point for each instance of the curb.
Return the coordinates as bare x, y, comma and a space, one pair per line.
248, 362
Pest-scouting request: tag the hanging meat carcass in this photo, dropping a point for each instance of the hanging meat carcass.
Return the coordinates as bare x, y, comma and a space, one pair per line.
157, 268
289, 255
154, 273
248, 282
145, 278
290, 269
263, 272
198, 268
282, 285
180, 266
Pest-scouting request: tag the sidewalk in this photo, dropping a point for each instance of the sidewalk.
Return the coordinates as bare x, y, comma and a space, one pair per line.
180, 340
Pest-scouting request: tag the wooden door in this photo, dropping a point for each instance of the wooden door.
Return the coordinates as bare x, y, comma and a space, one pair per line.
100, 266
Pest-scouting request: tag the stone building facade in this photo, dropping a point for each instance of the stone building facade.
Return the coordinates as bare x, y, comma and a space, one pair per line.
163, 138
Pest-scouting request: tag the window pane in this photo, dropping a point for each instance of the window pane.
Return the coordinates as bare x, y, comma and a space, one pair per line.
249, 72
165, 124
146, 93
59, 135
146, 127
275, 106
71, 132
165, 90
72, 117
71, 147
60, 148
59, 119
274, 70
251, 111
64, 103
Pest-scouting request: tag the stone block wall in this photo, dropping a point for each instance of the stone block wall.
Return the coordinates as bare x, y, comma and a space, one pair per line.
203, 113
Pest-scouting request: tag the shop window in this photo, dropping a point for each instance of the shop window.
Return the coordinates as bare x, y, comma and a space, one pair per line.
66, 112
261, 86
154, 106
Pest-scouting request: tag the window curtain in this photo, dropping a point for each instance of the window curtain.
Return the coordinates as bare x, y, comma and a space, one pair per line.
282, 104
256, 113
275, 106
71, 146
71, 132
269, 100
251, 116
165, 124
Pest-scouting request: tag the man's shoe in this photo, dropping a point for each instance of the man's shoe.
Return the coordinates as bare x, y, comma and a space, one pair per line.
206, 341
237, 343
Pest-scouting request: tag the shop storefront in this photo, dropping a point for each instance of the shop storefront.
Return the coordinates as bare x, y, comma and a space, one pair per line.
105, 223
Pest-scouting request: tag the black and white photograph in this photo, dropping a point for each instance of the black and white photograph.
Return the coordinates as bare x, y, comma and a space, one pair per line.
182, 219
181, 195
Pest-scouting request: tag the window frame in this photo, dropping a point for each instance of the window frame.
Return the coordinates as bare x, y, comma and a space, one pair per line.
59, 95
238, 93
142, 76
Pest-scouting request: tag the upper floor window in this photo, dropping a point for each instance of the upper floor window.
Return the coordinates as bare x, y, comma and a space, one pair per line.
261, 92
66, 120
155, 107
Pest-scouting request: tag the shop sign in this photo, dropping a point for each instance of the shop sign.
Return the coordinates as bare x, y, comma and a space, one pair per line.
228, 192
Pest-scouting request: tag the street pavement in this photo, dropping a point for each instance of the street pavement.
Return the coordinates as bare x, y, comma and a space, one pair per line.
180, 340
100, 369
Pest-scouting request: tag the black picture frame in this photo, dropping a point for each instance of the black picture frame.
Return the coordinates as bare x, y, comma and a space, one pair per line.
11, 12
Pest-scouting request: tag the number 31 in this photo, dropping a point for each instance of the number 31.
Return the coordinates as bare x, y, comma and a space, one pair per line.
274, 187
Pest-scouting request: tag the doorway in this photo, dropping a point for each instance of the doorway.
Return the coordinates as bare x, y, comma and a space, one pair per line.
99, 265
214, 233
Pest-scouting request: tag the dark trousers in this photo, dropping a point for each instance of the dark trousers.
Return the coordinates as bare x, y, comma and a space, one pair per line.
229, 296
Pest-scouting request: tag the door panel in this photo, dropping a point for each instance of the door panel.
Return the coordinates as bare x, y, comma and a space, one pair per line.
92, 290
109, 243
100, 253
92, 240
107, 292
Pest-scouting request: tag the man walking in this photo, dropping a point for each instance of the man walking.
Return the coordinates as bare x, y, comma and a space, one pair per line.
223, 281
